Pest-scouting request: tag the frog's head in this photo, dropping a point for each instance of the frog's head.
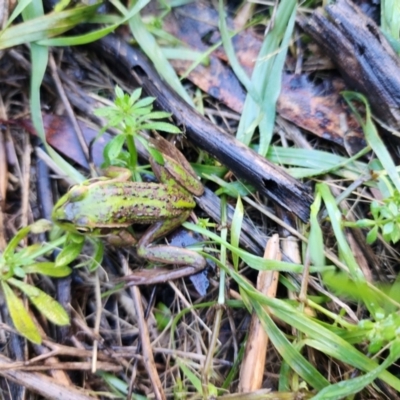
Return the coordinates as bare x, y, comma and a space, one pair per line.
69, 212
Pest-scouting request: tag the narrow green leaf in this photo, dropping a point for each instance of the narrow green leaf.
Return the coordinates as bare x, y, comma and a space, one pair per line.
48, 269
49, 307
372, 136
145, 102
61, 5
266, 77
253, 261
114, 147
317, 162
390, 19
316, 240
332, 344
162, 315
149, 45
352, 386
288, 352
17, 11
119, 93
45, 26
97, 256
233, 60
161, 126
233, 189
119, 385
336, 220
158, 115
344, 249
13, 243
183, 53
236, 228
155, 154
93, 35
69, 253
22, 321
395, 236
193, 379
372, 235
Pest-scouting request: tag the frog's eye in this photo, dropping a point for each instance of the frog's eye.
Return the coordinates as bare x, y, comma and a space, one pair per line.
83, 230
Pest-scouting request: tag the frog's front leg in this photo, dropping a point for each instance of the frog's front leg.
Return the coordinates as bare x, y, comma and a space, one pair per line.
164, 253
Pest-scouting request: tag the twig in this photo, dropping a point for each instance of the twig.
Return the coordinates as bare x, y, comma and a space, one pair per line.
147, 352
253, 365
364, 57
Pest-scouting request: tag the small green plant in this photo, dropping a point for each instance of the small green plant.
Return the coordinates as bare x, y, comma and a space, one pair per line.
381, 332
15, 265
382, 329
386, 219
130, 114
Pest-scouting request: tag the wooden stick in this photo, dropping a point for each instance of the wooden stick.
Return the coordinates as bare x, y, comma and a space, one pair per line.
364, 57
253, 365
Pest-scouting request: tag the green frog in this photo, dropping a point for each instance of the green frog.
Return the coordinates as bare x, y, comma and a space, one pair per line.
107, 206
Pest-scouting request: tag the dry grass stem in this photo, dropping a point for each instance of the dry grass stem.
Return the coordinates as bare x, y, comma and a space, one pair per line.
253, 366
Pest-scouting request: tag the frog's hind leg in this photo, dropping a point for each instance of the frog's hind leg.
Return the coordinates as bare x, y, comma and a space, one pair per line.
164, 253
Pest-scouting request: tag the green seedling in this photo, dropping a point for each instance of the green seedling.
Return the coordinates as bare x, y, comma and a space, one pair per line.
130, 114
386, 220
15, 265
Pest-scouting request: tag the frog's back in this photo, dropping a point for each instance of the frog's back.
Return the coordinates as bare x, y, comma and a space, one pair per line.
138, 202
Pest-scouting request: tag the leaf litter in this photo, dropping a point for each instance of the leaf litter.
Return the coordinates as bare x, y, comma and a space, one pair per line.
346, 332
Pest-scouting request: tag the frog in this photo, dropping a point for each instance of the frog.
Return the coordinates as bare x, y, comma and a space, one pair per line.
109, 205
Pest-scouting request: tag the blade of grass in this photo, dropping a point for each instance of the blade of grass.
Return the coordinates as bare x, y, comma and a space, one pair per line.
335, 216
372, 137
390, 18
236, 228
288, 351
333, 344
234, 62
39, 56
182, 53
267, 77
344, 249
355, 385
39, 59
319, 162
150, 47
258, 263
17, 11
97, 34
45, 26
316, 240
